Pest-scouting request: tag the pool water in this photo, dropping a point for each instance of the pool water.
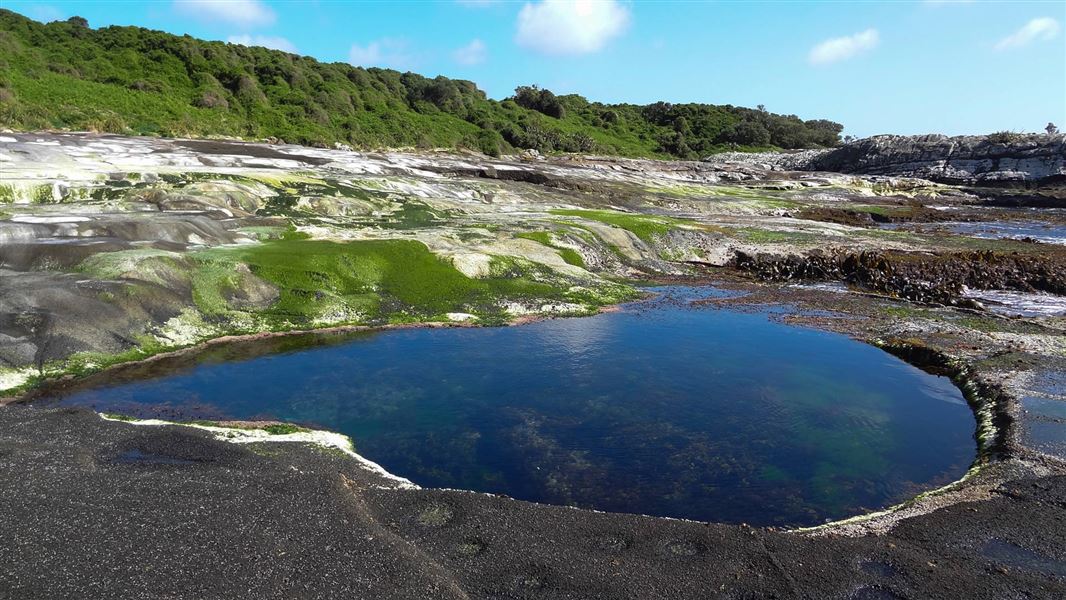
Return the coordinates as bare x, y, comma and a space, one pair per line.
663, 408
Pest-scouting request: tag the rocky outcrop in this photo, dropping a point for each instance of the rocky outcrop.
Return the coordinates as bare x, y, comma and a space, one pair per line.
963, 160
916, 276
770, 161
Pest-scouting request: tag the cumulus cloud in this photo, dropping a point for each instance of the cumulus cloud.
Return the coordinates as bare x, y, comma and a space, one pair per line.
570, 26
246, 13
386, 52
266, 41
843, 48
473, 53
1037, 30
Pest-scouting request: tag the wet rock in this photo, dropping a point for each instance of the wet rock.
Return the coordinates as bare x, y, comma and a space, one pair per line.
920, 277
170, 448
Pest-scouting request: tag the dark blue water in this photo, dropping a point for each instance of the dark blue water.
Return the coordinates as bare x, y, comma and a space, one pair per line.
663, 408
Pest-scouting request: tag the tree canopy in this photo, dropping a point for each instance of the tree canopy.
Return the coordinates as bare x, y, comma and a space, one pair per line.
67, 75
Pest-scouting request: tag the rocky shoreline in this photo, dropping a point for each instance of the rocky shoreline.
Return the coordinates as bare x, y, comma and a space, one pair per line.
936, 279
170, 248
1003, 159
993, 160
998, 531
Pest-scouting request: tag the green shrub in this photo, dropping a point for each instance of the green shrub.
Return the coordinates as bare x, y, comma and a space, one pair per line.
133, 80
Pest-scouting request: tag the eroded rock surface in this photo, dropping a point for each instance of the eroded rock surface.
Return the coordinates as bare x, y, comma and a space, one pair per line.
964, 160
113, 249
136, 245
1004, 159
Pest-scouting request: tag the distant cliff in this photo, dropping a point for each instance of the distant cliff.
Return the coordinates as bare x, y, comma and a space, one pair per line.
965, 160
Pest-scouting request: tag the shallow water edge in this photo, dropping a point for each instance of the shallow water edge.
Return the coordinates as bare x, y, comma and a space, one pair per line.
986, 405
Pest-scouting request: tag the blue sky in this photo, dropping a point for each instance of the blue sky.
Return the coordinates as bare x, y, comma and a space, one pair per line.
877, 67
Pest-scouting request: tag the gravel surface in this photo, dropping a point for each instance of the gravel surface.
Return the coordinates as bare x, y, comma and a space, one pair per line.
104, 509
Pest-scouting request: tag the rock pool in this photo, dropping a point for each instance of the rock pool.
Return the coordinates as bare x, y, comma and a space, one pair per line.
663, 408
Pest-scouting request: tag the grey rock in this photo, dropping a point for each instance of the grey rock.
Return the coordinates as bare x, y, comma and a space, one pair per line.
768, 161
961, 160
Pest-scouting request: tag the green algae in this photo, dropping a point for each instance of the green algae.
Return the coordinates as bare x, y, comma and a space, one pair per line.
284, 429
571, 256
645, 227
82, 364
41, 194
146, 264
263, 232
35, 194
541, 237
319, 283
213, 282
412, 215
377, 281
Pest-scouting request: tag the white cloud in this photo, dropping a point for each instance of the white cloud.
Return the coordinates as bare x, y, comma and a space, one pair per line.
386, 52
246, 13
842, 48
45, 13
266, 41
473, 53
1039, 29
570, 26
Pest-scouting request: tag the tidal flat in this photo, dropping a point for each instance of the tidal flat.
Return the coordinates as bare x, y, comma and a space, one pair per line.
786, 395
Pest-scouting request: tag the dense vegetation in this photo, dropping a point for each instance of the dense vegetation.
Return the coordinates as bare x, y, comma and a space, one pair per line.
132, 80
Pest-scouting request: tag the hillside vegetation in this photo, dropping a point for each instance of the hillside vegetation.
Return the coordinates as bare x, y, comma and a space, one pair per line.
66, 75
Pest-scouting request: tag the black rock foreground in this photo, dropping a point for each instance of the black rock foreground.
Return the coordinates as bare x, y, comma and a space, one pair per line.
101, 509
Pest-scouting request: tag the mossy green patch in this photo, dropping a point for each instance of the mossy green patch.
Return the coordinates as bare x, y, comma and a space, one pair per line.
263, 232
412, 215
284, 429
41, 194
645, 227
571, 256
213, 282
87, 363
541, 237
375, 281
148, 264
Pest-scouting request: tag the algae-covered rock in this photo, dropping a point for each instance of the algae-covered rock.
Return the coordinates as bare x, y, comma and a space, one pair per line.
140, 244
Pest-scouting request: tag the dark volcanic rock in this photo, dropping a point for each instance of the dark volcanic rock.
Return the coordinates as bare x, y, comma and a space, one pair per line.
97, 509
968, 160
921, 277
